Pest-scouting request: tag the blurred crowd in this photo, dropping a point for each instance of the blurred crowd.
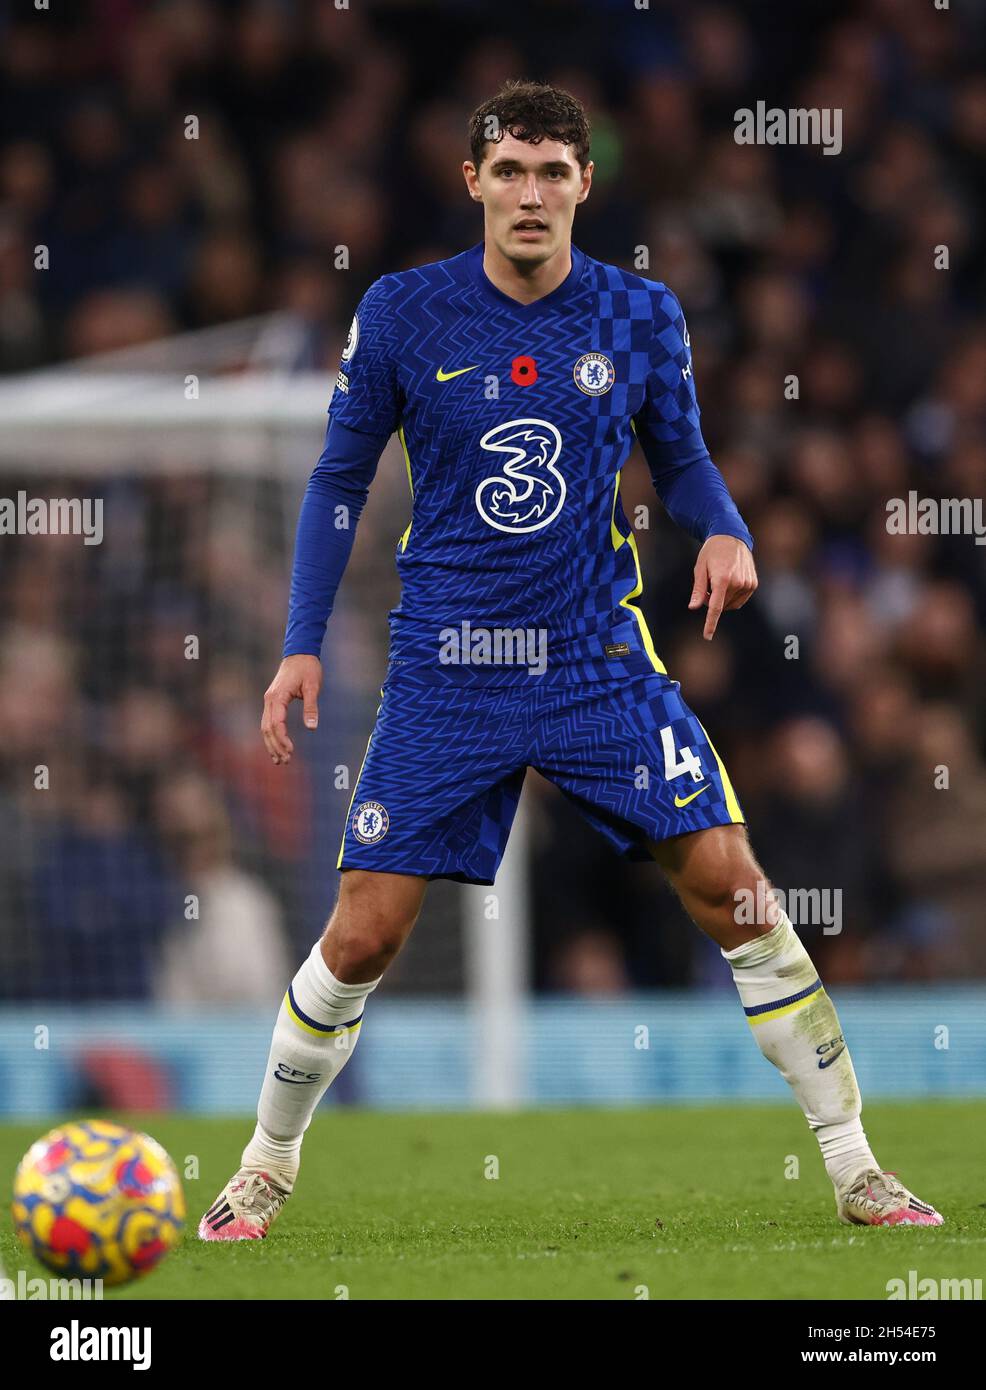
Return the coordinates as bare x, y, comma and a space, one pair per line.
840, 361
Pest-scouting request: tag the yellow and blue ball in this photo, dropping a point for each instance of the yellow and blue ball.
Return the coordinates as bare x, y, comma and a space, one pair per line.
94, 1200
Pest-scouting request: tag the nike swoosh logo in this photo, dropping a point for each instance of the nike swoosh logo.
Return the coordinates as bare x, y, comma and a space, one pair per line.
829, 1060
683, 801
443, 375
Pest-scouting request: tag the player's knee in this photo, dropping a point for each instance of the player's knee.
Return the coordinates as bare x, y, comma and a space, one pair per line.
369, 926
730, 879
363, 957
717, 892
360, 948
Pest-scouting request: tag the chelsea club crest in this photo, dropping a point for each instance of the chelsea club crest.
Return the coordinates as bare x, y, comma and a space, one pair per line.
370, 823
594, 374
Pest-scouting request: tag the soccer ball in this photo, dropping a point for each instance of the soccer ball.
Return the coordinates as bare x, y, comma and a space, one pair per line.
96, 1201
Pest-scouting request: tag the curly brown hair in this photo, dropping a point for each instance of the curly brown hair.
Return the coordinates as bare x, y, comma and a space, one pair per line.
531, 111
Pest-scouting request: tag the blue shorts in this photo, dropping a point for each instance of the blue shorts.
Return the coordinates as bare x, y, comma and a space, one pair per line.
445, 763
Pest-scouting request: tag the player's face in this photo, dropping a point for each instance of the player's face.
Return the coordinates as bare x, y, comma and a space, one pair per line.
529, 195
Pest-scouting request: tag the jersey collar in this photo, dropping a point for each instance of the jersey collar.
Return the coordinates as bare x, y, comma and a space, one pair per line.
545, 304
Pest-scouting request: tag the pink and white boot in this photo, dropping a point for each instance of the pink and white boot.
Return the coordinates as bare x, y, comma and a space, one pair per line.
878, 1199
245, 1208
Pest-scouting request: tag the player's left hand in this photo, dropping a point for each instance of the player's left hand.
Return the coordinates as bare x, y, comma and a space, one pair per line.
725, 577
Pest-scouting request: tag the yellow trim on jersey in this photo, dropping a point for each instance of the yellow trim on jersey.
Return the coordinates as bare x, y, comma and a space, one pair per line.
319, 1032
786, 1009
619, 539
732, 803
407, 461
355, 785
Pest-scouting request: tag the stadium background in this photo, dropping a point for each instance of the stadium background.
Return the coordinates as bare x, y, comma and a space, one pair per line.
218, 256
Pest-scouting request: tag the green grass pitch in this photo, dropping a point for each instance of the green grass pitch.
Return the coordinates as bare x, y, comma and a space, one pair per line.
588, 1204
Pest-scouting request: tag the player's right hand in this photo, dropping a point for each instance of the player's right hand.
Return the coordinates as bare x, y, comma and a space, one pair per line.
299, 678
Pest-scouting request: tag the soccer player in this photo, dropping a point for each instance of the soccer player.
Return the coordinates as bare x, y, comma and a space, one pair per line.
518, 375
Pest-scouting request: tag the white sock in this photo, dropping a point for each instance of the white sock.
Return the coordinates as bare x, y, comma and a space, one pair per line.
797, 1029
316, 1031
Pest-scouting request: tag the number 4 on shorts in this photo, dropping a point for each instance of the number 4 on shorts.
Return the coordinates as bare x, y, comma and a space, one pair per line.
678, 761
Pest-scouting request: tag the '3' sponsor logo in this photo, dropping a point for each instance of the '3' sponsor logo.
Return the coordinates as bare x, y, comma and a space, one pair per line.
528, 491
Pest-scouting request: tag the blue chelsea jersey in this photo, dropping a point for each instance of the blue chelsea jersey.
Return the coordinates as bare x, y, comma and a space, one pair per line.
515, 421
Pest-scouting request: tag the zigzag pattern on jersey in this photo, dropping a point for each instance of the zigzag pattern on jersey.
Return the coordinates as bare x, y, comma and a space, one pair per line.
567, 576
592, 741
447, 765
448, 772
